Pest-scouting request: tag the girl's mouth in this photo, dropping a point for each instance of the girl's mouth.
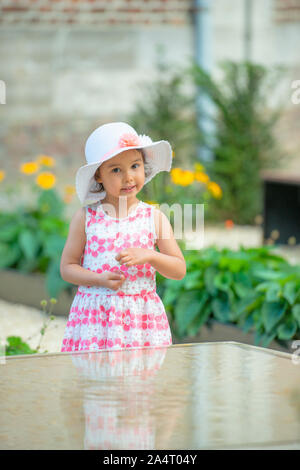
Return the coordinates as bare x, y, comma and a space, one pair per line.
127, 190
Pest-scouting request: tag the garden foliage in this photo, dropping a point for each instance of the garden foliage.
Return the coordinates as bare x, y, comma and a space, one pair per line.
32, 239
252, 288
244, 141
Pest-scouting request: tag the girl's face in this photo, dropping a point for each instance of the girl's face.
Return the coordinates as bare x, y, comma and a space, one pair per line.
125, 170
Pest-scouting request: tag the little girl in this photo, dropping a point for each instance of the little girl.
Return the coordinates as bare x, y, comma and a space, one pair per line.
110, 250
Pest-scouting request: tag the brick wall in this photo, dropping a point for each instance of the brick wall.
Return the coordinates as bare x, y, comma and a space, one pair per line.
286, 11
92, 12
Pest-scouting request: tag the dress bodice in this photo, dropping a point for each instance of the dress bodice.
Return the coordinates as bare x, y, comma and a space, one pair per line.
107, 236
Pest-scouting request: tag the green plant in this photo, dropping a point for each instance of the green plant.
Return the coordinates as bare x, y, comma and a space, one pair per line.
244, 142
252, 288
32, 239
165, 112
15, 345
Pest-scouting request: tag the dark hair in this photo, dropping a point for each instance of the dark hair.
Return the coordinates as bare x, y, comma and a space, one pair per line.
99, 186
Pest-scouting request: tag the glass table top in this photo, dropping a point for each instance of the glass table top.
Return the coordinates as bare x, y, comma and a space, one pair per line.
222, 395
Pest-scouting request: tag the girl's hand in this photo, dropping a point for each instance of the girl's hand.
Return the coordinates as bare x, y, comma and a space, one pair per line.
112, 280
132, 256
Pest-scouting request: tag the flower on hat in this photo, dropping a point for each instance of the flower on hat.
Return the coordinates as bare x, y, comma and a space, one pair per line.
145, 140
129, 140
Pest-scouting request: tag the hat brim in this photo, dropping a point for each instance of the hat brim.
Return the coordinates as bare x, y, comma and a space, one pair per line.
158, 156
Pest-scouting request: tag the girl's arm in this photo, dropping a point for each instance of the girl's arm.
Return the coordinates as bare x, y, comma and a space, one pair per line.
70, 268
169, 261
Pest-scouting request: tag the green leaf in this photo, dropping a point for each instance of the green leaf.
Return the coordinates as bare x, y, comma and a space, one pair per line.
9, 232
248, 323
187, 308
188, 316
264, 286
242, 290
54, 246
248, 303
221, 310
269, 275
29, 244
273, 292
291, 291
258, 336
267, 338
200, 319
272, 313
296, 313
287, 330
223, 281
209, 276
169, 297
9, 255
54, 283
16, 346
192, 280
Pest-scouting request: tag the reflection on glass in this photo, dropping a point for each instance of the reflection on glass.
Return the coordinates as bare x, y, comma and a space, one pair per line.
117, 396
199, 396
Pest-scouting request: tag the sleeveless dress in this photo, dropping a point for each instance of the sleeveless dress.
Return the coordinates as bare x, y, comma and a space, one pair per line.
132, 316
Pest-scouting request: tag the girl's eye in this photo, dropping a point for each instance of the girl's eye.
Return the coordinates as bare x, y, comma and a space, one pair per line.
115, 169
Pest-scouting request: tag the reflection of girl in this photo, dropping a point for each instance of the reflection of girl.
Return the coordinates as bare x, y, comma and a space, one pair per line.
117, 389
113, 258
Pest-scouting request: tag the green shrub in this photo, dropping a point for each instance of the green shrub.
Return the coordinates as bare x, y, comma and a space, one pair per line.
244, 142
32, 240
252, 288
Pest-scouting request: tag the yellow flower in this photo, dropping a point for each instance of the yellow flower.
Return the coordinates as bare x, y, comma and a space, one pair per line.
201, 176
45, 160
214, 189
2, 175
198, 166
29, 168
182, 177
46, 180
175, 175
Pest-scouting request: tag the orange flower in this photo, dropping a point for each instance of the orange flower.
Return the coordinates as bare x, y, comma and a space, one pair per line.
129, 140
2, 175
229, 224
201, 177
46, 180
214, 189
29, 168
182, 177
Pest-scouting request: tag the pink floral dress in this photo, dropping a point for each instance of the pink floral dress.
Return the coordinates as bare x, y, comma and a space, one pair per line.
132, 316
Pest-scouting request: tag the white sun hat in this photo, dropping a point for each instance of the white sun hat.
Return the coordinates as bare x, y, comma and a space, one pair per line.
109, 140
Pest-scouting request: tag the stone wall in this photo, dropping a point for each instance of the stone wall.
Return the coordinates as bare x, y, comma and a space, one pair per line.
70, 66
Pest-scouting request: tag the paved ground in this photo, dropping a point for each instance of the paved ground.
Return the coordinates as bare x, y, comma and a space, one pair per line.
19, 320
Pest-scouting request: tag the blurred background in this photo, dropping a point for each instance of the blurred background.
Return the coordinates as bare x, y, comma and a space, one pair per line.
219, 79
